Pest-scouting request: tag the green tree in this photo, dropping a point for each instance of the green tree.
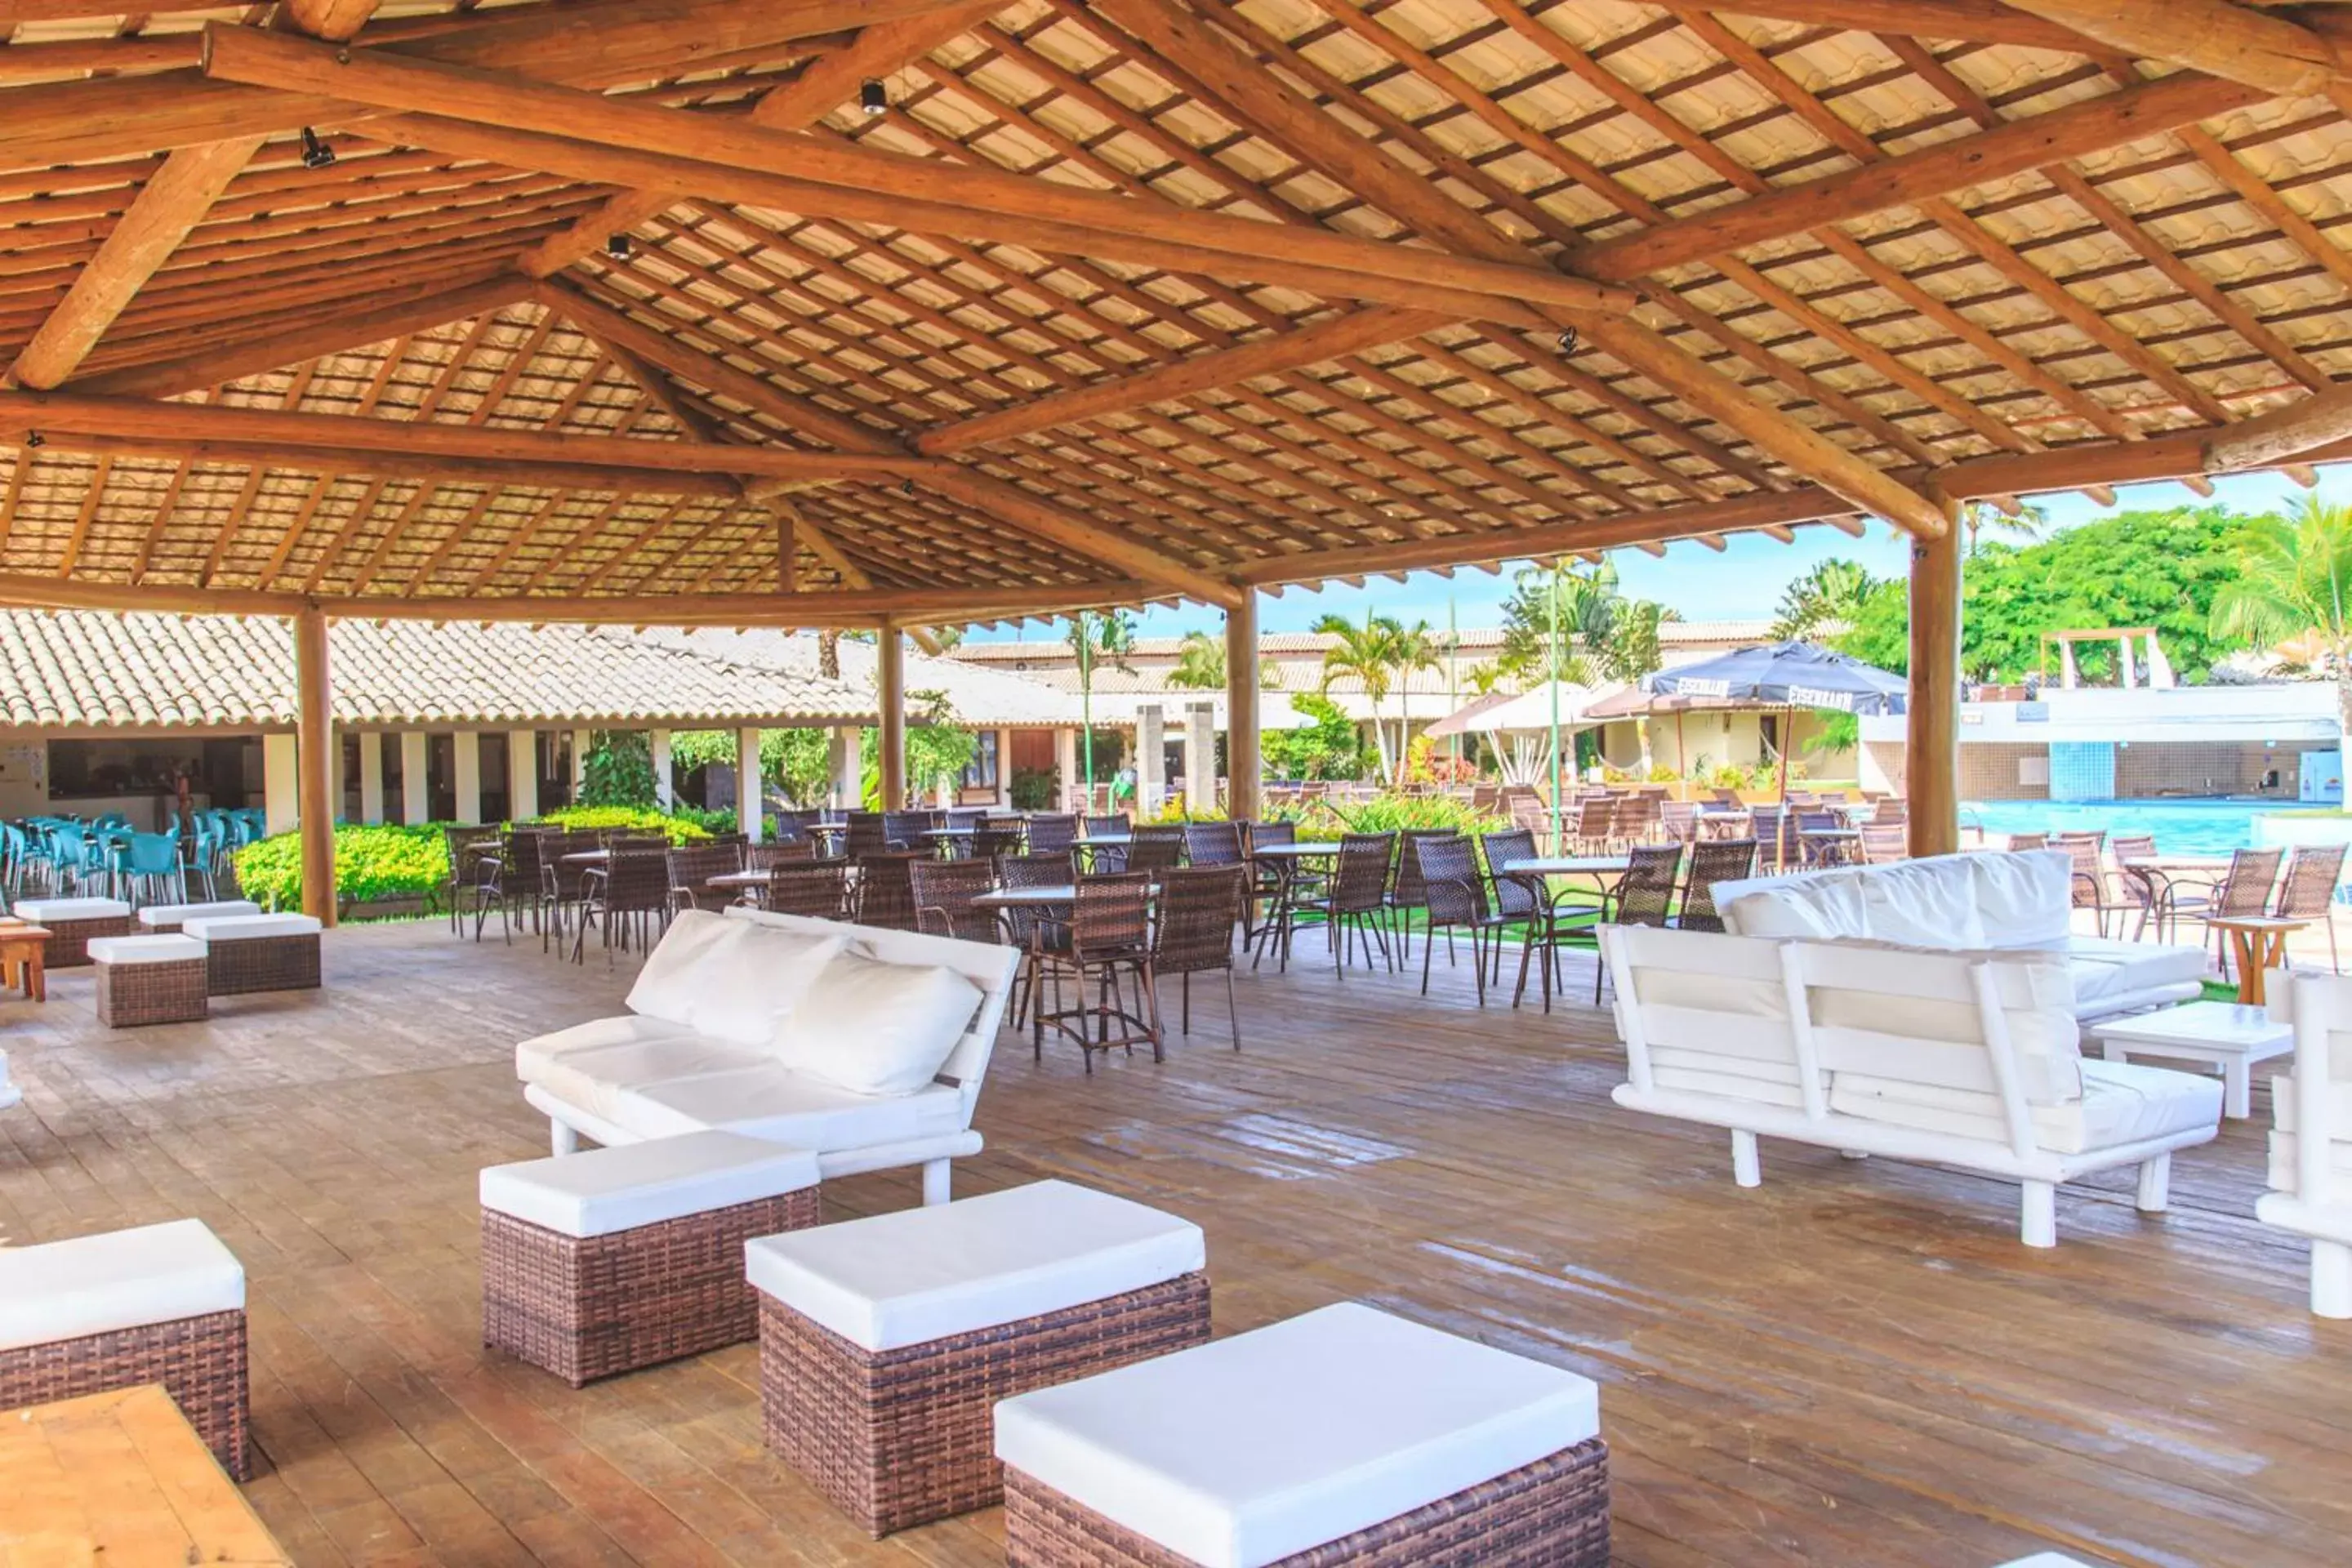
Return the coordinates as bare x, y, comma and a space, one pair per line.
1327, 747
1200, 663
2160, 568
1375, 656
1831, 593
1604, 636
2029, 524
1098, 636
2295, 577
618, 770
936, 750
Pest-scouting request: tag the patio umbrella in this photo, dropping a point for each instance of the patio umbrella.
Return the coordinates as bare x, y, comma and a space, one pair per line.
1787, 676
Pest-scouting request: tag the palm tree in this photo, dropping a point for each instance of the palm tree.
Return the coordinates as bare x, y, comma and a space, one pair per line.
1109, 635
2294, 578
1200, 663
1374, 655
2027, 523
1832, 592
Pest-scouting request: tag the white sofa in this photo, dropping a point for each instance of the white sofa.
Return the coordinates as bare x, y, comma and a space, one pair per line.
2311, 1146
1969, 1059
866, 1047
1971, 902
9, 1093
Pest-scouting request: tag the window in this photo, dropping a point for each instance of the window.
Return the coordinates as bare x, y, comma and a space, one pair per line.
981, 772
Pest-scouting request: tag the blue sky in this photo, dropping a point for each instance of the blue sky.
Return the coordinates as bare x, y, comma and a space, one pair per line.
1741, 582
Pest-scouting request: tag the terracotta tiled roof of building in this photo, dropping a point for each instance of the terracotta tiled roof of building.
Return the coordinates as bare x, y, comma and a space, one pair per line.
980, 698
71, 669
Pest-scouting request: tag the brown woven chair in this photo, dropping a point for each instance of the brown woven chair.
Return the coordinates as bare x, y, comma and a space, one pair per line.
1156, 848
1213, 843
1817, 844
1043, 937
1595, 828
627, 897
2135, 888
2089, 878
466, 868
816, 888
886, 891
691, 868
563, 884
637, 843
2243, 894
905, 829
1884, 842
2022, 841
992, 842
514, 879
944, 892
783, 852
1644, 895
1355, 901
1109, 934
1456, 896
1406, 894
1052, 833
1198, 910
2308, 893
865, 835
1716, 860
1679, 820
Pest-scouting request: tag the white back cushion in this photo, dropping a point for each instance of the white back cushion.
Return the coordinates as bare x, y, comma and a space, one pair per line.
730, 980
1962, 901
664, 987
2024, 900
877, 1028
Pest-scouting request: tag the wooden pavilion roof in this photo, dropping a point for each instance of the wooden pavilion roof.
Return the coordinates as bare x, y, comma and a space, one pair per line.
626, 310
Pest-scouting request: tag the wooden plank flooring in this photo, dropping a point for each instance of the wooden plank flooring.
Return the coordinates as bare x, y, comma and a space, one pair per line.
1855, 1365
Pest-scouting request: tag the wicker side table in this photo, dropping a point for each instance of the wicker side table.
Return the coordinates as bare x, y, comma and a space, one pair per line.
886, 1343
149, 980
1345, 1437
258, 952
72, 924
600, 1263
160, 1303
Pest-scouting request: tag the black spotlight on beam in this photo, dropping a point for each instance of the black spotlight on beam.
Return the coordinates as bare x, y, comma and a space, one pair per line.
1568, 341
316, 154
874, 98
617, 246
35, 438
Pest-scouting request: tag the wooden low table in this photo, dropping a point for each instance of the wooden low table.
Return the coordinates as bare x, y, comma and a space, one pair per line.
120, 1477
23, 952
2259, 941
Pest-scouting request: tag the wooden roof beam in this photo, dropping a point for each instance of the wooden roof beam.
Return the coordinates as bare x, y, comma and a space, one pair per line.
167, 208
2320, 420
825, 84
1964, 21
2236, 43
1260, 102
1332, 339
534, 125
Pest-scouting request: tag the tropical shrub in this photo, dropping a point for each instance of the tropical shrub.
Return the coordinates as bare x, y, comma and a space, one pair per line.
1035, 789
618, 770
678, 826
1426, 763
1327, 747
1387, 814
373, 864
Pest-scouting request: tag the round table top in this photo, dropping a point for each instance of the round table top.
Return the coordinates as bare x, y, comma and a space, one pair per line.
1293, 851
1102, 840
587, 856
1829, 833
950, 831
1566, 866
737, 879
1025, 897
2255, 923
2178, 862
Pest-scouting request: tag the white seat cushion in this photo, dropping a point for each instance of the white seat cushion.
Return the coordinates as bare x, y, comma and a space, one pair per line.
532, 1055
9, 1093
2105, 967
118, 1279
246, 928
2122, 1102
769, 1101
42, 910
173, 914
124, 949
596, 1079
1247, 1450
877, 1028
923, 1274
631, 1185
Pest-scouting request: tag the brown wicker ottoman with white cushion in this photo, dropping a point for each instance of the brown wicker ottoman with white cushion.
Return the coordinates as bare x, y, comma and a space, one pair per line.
606, 1261
71, 923
884, 1342
1345, 1435
161, 1303
149, 980
163, 920
258, 952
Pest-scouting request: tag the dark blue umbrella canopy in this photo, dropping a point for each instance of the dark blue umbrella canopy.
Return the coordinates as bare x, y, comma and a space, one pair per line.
1787, 674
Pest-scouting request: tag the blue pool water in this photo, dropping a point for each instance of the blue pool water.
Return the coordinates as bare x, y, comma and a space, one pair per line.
2180, 827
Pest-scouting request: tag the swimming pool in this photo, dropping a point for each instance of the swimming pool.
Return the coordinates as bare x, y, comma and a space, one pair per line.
2204, 827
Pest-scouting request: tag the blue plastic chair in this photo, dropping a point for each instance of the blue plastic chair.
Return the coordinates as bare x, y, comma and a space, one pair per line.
150, 863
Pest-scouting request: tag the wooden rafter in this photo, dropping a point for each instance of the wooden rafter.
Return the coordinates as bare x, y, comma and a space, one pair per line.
2277, 53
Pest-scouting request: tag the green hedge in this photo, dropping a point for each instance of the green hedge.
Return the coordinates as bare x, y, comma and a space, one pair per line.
587, 818
371, 864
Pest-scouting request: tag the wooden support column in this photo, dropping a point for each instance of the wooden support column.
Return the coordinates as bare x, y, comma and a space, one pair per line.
370, 777
465, 750
1931, 762
1242, 757
416, 777
522, 775
890, 681
750, 812
314, 757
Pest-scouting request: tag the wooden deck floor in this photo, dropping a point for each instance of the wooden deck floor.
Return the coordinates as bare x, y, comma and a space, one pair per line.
1855, 1364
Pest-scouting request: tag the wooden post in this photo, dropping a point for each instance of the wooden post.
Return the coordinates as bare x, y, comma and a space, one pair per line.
890, 677
1931, 766
315, 748
1242, 757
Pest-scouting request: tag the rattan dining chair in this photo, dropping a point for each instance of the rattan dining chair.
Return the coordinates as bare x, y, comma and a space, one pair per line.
1052, 832
1883, 843
2308, 893
691, 868
886, 891
943, 891
627, 897
1155, 848
818, 890
905, 830
1715, 860
1644, 897
1213, 843
2243, 894
1110, 950
1457, 900
1194, 934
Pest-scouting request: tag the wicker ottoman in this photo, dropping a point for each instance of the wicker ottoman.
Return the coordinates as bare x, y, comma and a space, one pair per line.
163, 920
1345, 1435
149, 980
163, 1303
71, 923
884, 1342
606, 1261
257, 953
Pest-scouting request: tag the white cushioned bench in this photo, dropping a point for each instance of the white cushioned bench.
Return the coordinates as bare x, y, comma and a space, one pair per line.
158, 1303
164, 918
258, 952
2310, 1143
604, 1262
9, 1093
884, 1342
1348, 1433
71, 924
149, 980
